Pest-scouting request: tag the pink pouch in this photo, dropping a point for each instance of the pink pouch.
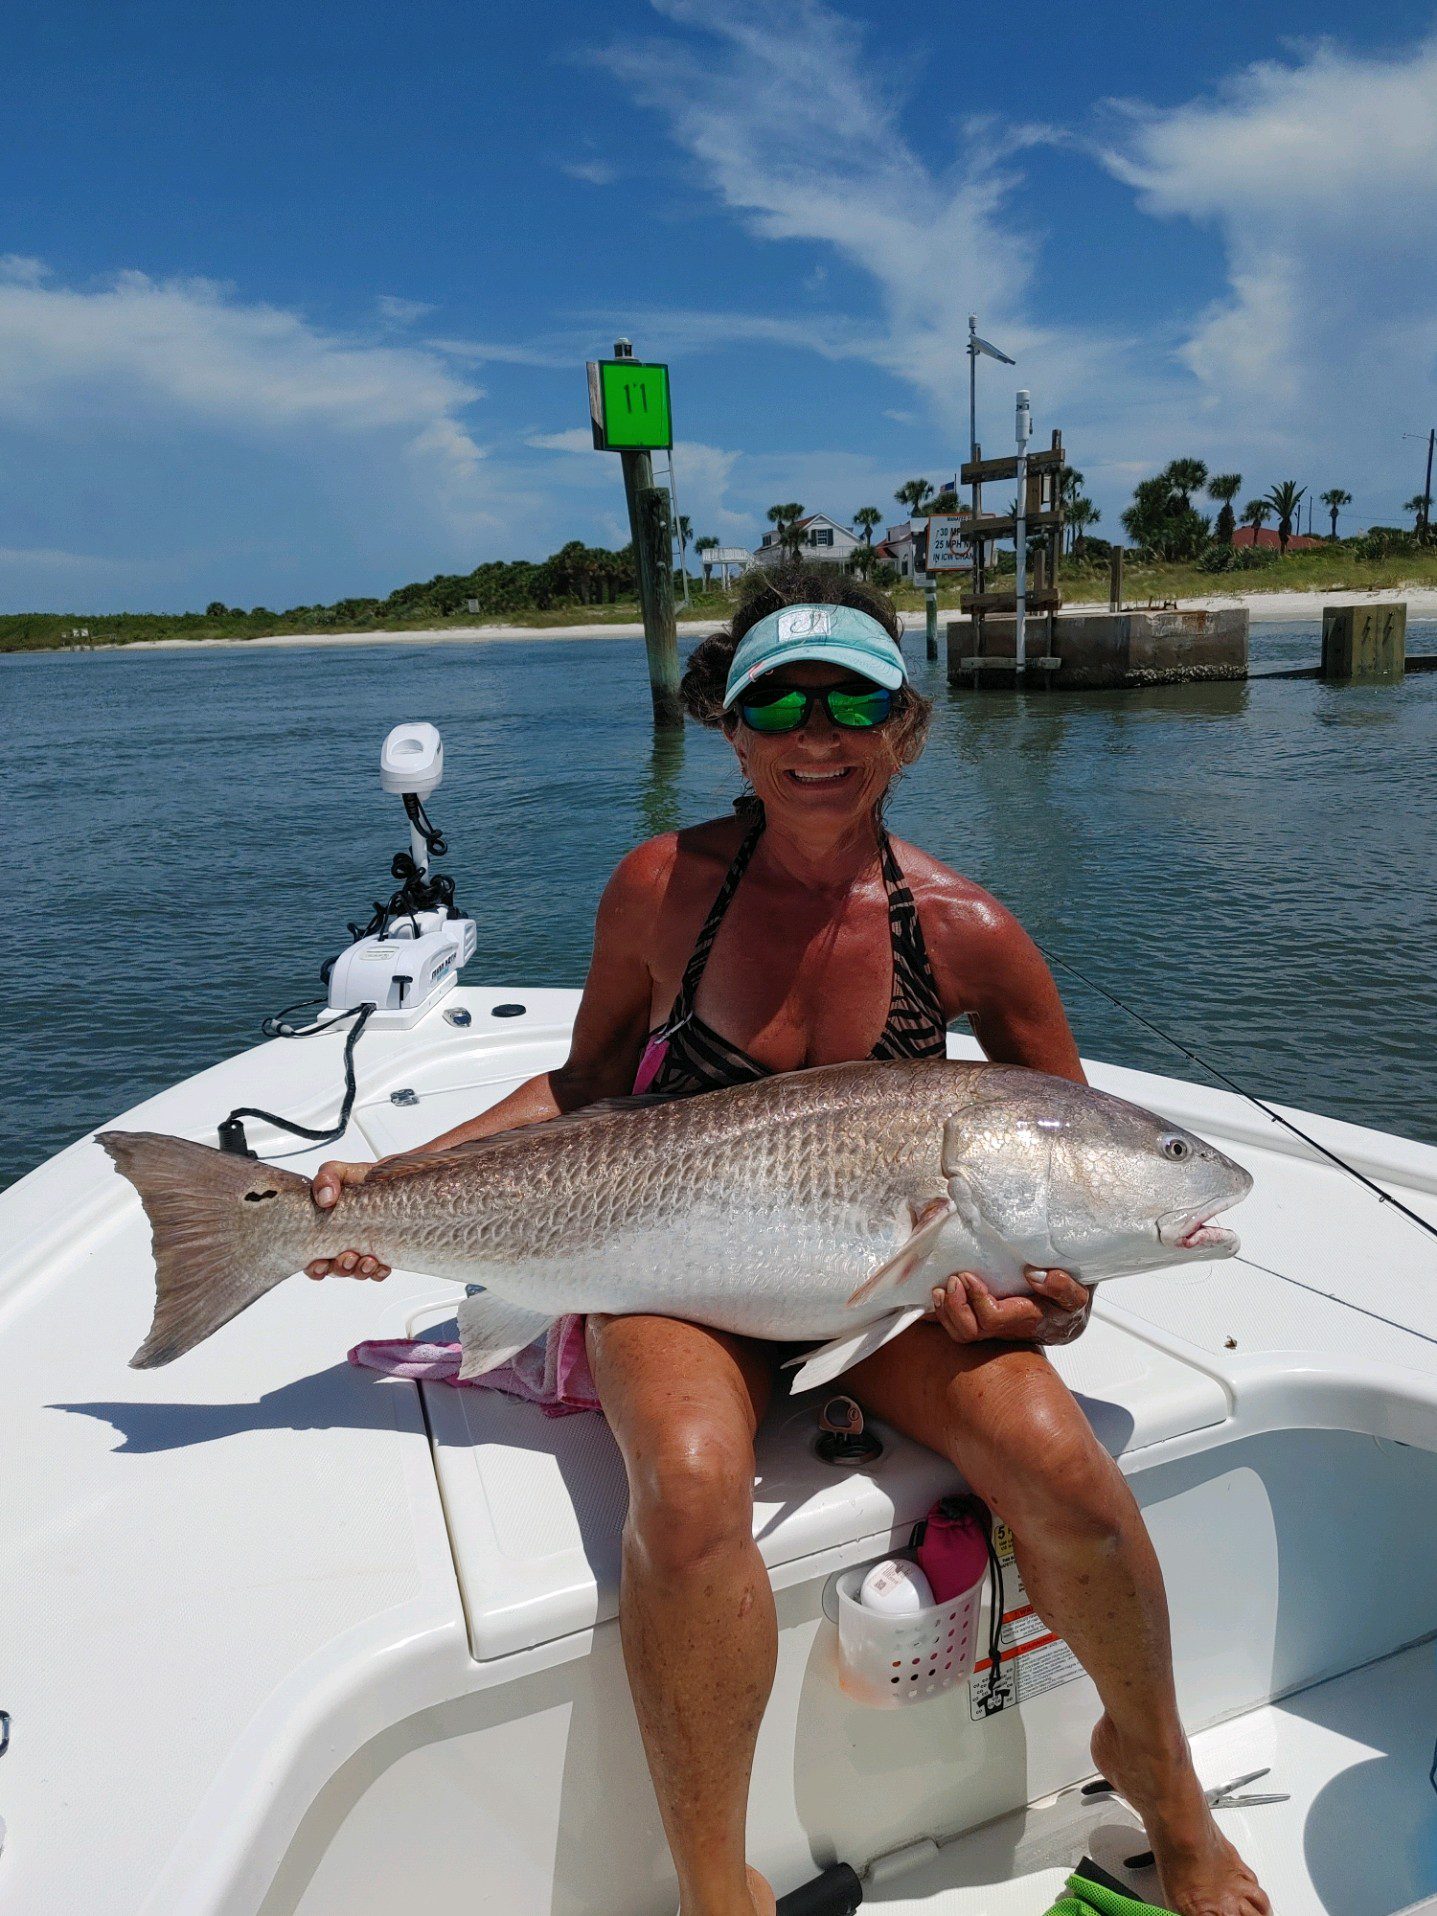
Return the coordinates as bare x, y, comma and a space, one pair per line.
953, 1545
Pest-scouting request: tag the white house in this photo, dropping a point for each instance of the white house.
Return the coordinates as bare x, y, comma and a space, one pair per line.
899, 545
821, 541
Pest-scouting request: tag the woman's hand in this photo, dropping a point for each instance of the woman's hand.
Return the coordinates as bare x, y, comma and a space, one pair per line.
1055, 1313
329, 1180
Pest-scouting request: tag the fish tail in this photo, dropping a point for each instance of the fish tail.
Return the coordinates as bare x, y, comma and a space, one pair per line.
218, 1243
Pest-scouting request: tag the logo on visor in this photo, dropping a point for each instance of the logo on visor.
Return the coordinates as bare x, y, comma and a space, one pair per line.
805, 622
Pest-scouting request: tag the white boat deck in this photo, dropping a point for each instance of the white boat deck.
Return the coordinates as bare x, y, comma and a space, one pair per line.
1356, 1837
206, 1617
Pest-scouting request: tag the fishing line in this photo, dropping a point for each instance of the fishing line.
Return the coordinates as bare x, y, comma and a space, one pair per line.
1332, 1297
1383, 1197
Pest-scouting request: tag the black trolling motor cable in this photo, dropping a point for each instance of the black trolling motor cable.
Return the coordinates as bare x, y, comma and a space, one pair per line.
417, 891
1383, 1197
231, 1130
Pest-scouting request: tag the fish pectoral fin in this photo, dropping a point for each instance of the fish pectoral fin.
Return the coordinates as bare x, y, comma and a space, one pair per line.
492, 1330
928, 1225
827, 1361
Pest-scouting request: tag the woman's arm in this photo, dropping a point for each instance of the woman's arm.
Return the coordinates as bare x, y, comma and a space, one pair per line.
608, 1038
1017, 1016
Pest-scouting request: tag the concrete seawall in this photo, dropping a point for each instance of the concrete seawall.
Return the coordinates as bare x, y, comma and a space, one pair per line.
1105, 649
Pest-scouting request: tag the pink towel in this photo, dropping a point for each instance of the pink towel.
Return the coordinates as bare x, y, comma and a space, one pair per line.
553, 1372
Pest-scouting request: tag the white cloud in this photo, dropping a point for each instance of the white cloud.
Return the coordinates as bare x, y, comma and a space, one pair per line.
703, 477
401, 312
572, 439
191, 346
676, 331
317, 455
21, 269
476, 352
591, 172
796, 129
1320, 175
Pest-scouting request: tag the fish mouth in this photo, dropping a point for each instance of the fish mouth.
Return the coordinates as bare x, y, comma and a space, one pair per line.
1195, 1232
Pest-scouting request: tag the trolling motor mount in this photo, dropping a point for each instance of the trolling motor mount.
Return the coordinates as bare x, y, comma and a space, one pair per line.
409, 955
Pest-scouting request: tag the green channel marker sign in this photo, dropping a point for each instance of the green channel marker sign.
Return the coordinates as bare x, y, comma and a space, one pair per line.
629, 406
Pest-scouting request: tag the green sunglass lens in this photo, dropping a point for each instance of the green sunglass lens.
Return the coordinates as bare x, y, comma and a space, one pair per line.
858, 710
779, 714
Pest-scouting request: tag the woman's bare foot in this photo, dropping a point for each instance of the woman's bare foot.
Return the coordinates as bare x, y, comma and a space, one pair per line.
765, 1903
761, 1897
1200, 1871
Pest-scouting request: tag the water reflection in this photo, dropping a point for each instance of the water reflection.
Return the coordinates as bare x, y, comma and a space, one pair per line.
659, 797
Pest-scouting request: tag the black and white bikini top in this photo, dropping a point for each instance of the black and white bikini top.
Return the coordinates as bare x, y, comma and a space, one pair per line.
685, 1054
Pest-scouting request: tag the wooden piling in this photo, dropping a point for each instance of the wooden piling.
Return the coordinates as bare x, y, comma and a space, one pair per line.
1115, 580
653, 553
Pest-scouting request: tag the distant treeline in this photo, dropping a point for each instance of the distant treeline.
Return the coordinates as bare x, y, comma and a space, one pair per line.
576, 575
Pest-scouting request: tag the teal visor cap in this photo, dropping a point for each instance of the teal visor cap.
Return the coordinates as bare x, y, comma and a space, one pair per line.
821, 634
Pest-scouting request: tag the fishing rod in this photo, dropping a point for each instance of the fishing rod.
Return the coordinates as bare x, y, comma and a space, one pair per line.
1383, 1197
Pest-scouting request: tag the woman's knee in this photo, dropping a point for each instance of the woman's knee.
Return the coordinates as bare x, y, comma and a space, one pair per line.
690, 1495
1041, 1469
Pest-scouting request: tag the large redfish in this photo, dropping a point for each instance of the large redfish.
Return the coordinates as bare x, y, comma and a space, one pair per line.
820, 1205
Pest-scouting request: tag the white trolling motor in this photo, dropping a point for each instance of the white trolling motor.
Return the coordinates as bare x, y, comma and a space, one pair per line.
409, 955
401, 963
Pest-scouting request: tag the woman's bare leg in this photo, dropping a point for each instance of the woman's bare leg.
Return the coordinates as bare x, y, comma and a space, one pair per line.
696, 1608
1010, 1424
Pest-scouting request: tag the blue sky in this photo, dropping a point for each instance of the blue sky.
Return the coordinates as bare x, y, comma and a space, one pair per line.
295, 300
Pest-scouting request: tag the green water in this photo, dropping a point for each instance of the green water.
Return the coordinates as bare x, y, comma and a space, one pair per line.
1254, 866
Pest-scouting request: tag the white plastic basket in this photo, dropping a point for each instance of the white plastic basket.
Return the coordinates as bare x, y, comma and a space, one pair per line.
888, 1662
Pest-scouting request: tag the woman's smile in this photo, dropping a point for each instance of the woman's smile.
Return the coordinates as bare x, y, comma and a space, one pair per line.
829, 777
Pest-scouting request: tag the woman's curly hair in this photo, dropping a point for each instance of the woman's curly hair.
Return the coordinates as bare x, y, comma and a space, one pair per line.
767, 589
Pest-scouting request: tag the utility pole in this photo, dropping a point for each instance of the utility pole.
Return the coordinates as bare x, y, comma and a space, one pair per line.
1024, 424
1424, 518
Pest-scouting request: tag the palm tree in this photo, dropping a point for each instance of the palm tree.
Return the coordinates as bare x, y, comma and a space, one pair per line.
785, 519
866, 518
685, 531
703, 547
1082, 513
1185, 476
914, 495
1224, 488
1417, 506
1284, 500
1335, 501
1078, 508
1254, 513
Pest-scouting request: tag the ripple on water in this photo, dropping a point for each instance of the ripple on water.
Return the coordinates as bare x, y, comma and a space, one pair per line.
1250, 865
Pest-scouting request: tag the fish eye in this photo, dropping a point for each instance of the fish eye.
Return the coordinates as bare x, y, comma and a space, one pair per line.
1176, 1147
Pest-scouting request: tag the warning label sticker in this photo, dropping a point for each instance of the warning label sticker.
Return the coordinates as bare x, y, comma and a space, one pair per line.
1031, 1659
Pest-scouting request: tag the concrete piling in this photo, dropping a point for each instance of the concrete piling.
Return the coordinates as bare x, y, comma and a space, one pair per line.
1364, 641
1090, 650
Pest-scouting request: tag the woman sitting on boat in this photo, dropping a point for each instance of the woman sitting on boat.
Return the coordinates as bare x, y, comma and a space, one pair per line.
794, 933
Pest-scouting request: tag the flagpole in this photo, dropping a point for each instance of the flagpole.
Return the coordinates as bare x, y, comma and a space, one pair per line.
972, 385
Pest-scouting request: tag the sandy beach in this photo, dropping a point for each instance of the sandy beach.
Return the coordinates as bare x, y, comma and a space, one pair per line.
1264, 607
